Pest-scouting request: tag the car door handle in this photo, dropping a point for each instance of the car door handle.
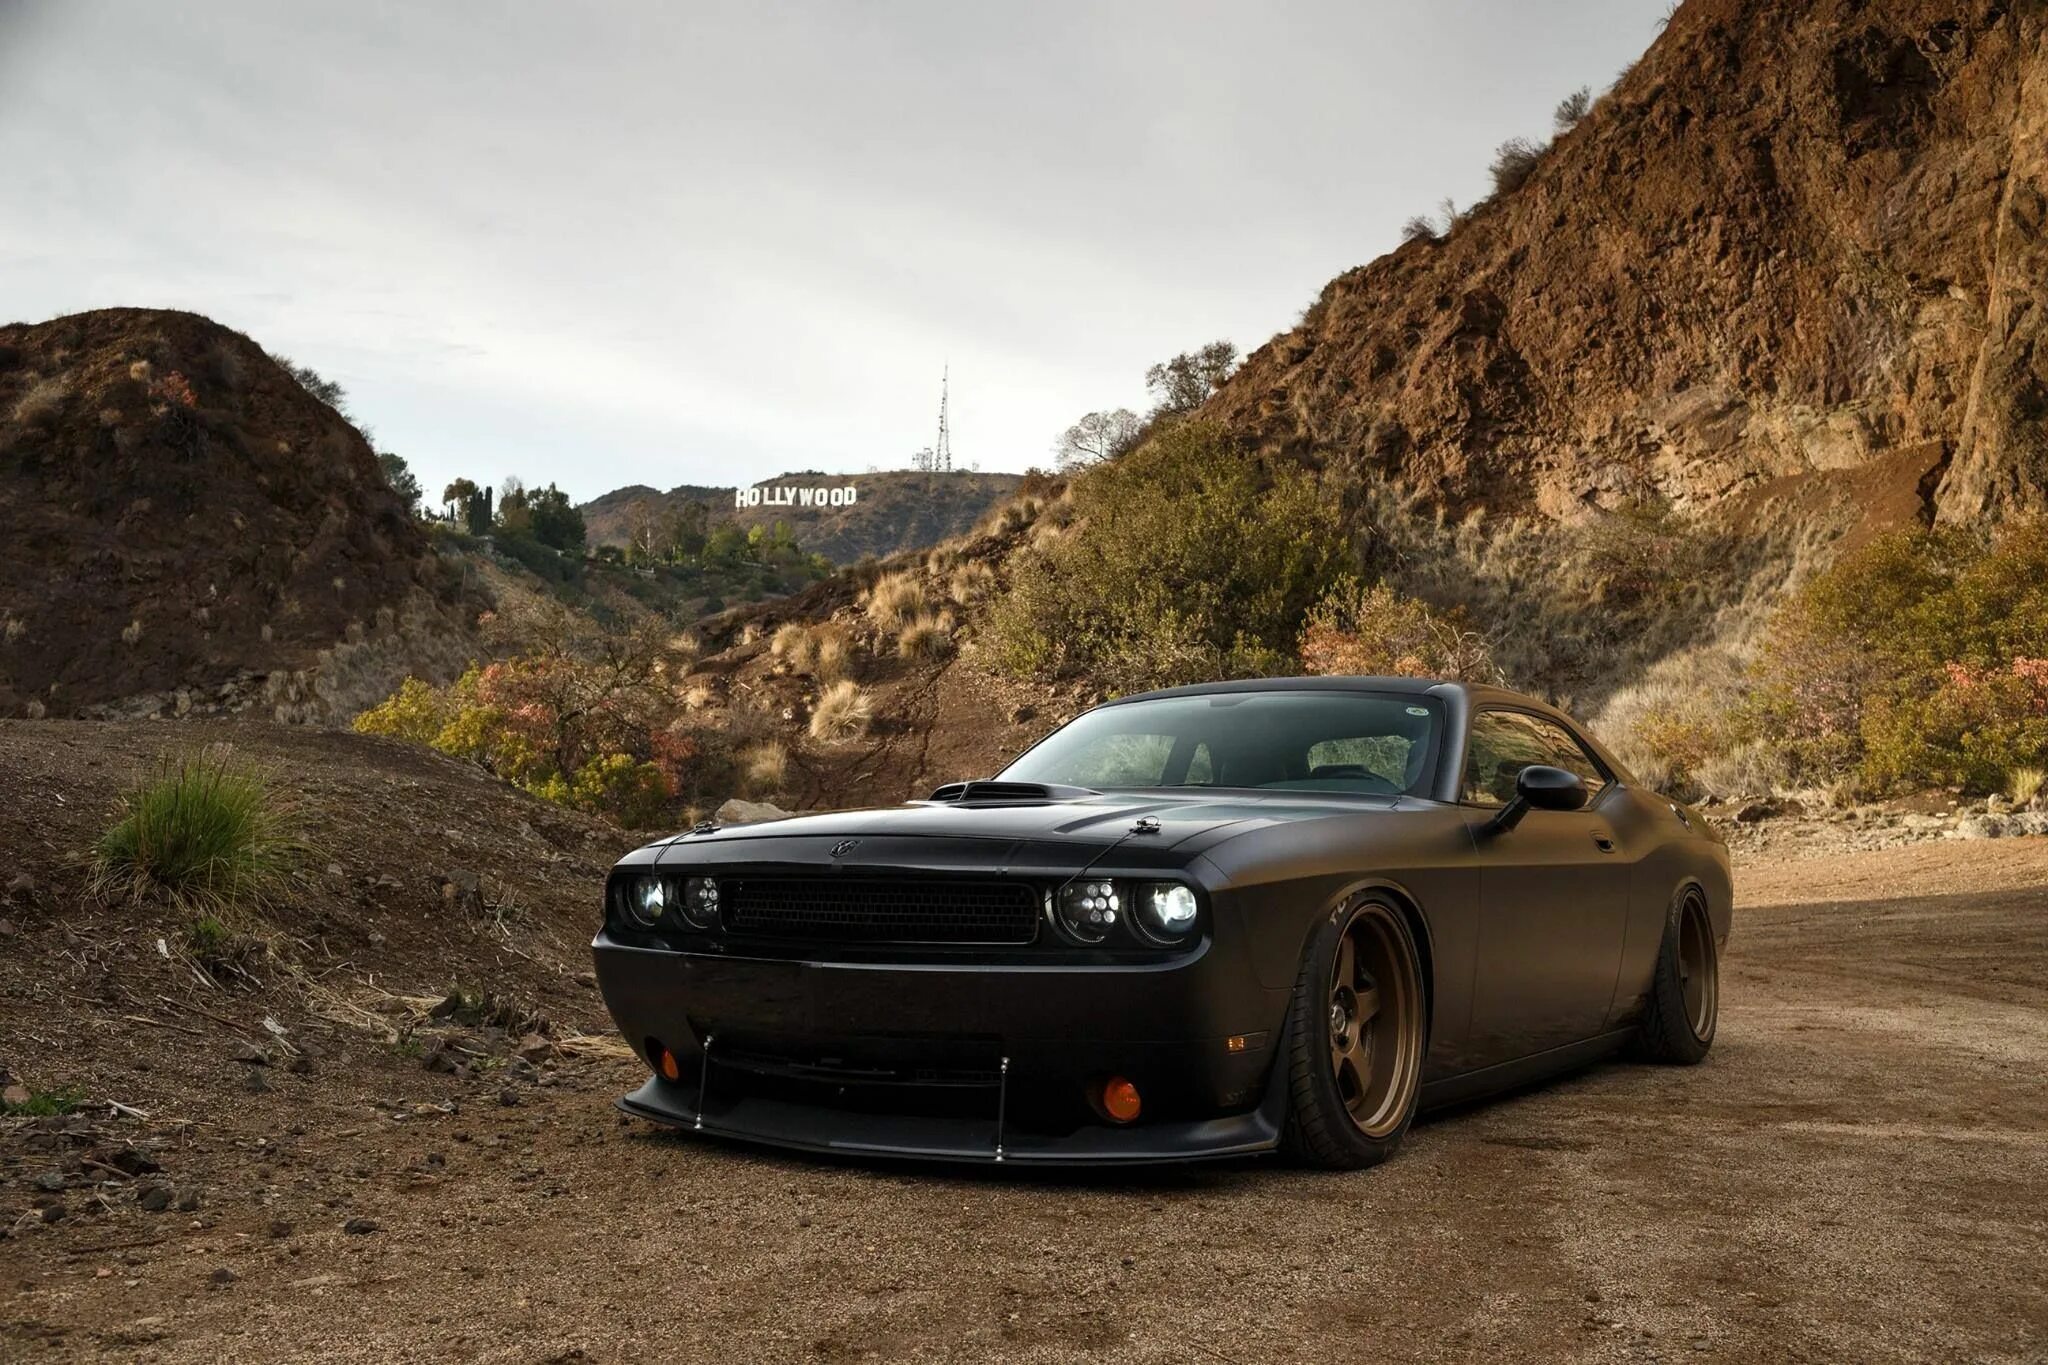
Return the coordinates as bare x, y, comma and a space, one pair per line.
1604, 843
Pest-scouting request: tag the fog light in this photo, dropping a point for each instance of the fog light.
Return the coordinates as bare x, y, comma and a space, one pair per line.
664, 1061
1119, 1100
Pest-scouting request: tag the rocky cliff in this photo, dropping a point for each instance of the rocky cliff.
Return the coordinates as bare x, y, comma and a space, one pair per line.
1795, 239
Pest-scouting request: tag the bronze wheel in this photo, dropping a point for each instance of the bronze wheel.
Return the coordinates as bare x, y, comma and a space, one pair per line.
1357, 1032
1375, 1023
1699, 980
1684, 1004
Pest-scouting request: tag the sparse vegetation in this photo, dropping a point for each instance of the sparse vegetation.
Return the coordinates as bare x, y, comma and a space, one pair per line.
1188, 560
43, 1104
833, 659
1097, 437
2023, 785
1182, 384
1514, 161
971, 582
928, 635
1419, 229
43, 404
842, 712
793, 643
897, 599
1373, 631
1572, 109
766, 767
204, 830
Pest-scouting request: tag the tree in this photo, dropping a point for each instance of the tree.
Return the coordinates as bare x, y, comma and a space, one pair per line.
1418, 229
1097, 437
1184, 383
556, 522
1572, 108
401, 479
310, 379
456, 497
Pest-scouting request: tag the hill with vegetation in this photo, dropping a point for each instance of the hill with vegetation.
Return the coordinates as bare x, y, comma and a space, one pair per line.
895, 511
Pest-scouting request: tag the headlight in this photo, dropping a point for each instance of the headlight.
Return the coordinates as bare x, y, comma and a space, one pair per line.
700, 902
1087, 911
646, 901
1166, 911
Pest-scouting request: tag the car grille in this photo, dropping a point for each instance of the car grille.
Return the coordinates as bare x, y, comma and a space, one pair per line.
872, 910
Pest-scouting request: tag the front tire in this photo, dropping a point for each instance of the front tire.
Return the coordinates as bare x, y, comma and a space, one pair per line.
1685, 997
1356, 1028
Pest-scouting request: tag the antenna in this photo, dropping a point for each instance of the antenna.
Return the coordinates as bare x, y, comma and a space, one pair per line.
942, 453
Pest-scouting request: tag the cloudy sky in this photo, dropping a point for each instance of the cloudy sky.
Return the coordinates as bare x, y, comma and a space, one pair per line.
709, 242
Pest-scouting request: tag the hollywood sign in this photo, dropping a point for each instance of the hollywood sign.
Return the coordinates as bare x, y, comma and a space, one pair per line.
844, 495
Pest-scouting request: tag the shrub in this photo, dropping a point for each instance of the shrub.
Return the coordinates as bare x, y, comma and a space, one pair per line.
1375, 632
1920, 658
43, 404
765, 766
896, 599
44, 1104
833, 657
971, 581
1187, 561
1572, 109
1418, 229
2024, 785
794, 643
927, 636
204, 830
842, 712
1514, 161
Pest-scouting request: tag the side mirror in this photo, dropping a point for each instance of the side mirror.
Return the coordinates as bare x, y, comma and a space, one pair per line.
1538, 787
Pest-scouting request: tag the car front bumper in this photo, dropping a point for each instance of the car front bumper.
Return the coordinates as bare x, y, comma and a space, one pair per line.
952, 1060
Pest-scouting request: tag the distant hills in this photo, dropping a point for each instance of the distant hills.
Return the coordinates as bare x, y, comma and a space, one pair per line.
893, 512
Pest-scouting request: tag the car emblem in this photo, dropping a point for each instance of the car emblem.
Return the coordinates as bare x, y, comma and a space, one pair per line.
843, 847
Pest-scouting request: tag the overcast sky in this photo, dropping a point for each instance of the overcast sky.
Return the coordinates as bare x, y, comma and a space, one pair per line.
704, 243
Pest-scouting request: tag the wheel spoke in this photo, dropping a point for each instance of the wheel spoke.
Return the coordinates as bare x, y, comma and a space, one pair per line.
1368, 1005
1346, 971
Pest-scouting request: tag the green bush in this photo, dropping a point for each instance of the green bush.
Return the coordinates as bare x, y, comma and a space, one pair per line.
1187, 561
203, 829
1920, 659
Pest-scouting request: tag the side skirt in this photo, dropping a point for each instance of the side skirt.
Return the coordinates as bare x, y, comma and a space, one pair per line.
1491, 1080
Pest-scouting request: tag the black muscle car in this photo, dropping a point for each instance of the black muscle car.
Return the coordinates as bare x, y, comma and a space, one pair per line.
1207, 921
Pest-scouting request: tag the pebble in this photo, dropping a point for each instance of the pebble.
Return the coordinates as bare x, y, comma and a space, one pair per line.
358, 1226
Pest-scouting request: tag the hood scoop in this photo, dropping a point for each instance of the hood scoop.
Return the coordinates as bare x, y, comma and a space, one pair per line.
985, 793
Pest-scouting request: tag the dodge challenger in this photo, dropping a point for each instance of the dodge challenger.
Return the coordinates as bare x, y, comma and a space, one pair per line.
1278, 915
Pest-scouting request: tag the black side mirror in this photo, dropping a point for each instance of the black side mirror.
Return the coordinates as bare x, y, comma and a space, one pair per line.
1538, 787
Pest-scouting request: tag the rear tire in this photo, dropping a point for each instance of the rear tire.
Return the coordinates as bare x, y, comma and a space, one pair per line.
1685, 996
1356, 1027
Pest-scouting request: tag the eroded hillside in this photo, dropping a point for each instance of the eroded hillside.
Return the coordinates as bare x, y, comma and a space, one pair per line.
1793, 240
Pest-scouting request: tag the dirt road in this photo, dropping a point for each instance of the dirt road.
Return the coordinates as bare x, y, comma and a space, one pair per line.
1860, 1171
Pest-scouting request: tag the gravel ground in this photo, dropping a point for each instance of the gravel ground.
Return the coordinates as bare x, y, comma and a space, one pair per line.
1859, 1171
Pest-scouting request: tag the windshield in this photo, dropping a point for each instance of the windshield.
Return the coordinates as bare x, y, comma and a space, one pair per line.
1364, 742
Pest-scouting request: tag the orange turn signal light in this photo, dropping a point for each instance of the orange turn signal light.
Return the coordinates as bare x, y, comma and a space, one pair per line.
664, 1061
1120, 1101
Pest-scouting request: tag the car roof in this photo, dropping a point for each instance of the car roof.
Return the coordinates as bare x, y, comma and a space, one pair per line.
1472, 692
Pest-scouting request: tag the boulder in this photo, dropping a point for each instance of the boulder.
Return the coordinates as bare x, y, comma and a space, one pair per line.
738, 812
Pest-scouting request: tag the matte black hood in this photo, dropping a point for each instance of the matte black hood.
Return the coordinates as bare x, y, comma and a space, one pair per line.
1093, 819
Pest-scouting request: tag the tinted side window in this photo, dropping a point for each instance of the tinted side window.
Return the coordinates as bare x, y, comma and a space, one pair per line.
1505, 742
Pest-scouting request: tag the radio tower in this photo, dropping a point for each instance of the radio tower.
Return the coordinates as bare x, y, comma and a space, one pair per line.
942, 453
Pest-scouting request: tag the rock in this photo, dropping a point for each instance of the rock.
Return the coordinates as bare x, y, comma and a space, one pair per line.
55, 1213
280, 1228
534, 1048
127, 1160
222, 1276
52, 1181
154, 1198
738, 812
301, 1065
441, 1059
588, 980
188, 1202
359, 1226
14, 1094
1978, 827
8, 928
1996, 804
2032, 822
250, 1054
21, 886
255, 1082
1754, 811
462, 888
508, 1098
1020, 714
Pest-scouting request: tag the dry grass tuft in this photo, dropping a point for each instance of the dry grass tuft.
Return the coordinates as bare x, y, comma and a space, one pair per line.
842, 712
765, 767
43, 404
925, 636
794, 643
833, 658
896, 599
2024, 785
972, 580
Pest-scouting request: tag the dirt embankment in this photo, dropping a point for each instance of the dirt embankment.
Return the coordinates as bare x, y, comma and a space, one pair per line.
1857, 1172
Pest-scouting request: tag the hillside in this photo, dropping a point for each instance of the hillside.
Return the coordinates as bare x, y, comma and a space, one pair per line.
896, 511
189, 529
1794, 240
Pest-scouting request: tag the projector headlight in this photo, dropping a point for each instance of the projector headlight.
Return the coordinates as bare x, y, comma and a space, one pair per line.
1088, 910
1167, 911
699, 904
646, 900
